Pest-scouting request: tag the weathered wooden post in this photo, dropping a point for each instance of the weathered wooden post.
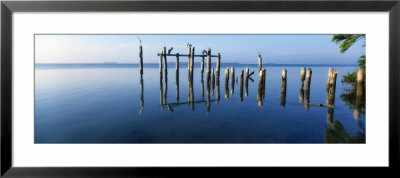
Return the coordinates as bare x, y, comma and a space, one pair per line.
360, 77
141, 95
226, 83
360, 94
212, 80
261, 87
241, 86
307, 90
141, 59
160, 62
259, 61
233, 80
226, 74
192, 62
208, 62
218, 63
177, 85
189, 55
177, 63
331, 87
302, 73
165, 62
283, 87
330, 94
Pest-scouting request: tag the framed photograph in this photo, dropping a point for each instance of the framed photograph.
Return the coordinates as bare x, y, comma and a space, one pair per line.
137, 88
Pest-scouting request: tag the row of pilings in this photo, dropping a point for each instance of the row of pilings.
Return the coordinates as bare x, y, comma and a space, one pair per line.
213, 82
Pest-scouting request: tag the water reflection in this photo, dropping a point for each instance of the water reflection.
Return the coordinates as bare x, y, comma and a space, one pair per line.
335, 134
141, 95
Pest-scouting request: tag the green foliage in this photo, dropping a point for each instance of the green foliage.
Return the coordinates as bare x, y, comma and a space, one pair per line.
350, 78
347, 40
361, 62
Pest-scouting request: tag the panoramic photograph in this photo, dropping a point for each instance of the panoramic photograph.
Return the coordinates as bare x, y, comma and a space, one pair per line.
200, 88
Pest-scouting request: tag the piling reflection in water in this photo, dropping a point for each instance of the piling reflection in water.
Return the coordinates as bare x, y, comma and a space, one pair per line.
330, 94
217, 95
161, 93
246, 83
177, 85
233, 80
241, 86
212, 81
226, 83
208, 94
141, 95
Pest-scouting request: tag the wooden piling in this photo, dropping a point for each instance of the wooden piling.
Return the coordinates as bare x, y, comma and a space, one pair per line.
307, 89
302, 73
331, 87
165, 62
283, 87
360, 94
259, 62
177, 63
190, 93
241, 86
160, 62
218, 63
226, 74
261, 88
284, 73
192, 61
360, 76
226, 83
141, 59
189, 57
208, 61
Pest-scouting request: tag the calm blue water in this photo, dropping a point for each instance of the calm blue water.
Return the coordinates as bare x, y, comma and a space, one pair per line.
108, 104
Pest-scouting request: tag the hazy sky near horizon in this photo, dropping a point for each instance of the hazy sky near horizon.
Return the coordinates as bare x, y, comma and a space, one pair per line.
282, 49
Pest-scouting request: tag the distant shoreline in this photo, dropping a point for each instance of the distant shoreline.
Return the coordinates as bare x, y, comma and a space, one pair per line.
196, 64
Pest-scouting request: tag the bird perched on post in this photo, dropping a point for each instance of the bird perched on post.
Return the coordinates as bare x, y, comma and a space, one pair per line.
139, 41
204, 52
189, 45
170, 49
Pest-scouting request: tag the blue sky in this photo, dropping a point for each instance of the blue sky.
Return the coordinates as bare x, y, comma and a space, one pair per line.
282, 49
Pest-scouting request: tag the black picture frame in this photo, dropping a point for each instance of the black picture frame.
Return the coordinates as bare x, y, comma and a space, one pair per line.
8, 7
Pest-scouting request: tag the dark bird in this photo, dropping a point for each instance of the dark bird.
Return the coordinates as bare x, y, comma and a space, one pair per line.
204, 52
170, 49
139, 41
